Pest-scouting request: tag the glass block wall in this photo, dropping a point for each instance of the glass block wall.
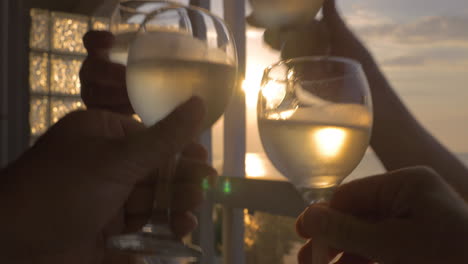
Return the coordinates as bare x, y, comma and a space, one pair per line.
56, 54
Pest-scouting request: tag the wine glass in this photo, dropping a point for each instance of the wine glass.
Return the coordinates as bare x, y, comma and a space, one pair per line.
178, 52
315, 120
125, 23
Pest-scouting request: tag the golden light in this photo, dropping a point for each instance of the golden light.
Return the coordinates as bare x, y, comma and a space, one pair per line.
254, 165
251, 88
251, 228
274, 93
282, 115
330, 140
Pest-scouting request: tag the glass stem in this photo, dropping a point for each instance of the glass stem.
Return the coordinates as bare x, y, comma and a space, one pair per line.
161, 213
320, 253
313, 196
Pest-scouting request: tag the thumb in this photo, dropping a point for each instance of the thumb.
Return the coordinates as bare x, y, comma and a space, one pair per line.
340, 231
98, 43
152, 146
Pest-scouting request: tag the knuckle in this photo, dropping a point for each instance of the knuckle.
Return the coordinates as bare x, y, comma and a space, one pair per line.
424, 172
425, 177
419, 177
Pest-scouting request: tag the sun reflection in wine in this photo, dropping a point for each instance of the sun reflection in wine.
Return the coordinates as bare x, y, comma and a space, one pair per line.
330, 140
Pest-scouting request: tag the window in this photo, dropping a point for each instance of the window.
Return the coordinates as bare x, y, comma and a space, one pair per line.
56, 54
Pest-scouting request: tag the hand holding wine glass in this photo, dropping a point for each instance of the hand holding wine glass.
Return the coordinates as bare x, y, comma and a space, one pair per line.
102, 81
178, 52
315, 119
86, 179
406, 216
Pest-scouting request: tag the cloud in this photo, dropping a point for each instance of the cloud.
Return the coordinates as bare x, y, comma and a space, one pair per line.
405, 10
452, 58
425, 30
361, 17
405, 61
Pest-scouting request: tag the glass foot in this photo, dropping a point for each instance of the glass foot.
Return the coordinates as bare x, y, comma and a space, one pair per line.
157, 245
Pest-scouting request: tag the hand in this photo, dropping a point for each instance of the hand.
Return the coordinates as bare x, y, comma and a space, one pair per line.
328, 36
87, 179
406, 216
103, 84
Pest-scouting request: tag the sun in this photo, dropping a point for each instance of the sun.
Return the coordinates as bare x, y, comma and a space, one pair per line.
251, 87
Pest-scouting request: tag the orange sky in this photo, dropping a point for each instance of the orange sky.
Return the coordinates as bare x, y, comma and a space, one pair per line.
423, 51
422, 47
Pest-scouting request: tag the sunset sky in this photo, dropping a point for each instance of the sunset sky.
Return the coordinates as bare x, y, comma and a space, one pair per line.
421, 45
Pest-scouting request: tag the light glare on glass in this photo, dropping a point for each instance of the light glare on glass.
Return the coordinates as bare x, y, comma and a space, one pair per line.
274, 93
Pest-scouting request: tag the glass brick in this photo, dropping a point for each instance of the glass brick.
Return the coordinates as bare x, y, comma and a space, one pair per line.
62, 106
39, 34
38, 72
68, 31
100, 23
38, 115
64, 75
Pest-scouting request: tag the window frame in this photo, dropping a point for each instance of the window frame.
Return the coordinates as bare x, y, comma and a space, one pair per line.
14, 102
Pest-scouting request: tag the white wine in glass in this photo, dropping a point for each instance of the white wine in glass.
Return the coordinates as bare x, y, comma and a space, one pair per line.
178, 52
315, 121
125, 23
180, 67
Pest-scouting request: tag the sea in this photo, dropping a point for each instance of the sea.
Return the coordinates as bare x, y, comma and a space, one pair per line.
259, 166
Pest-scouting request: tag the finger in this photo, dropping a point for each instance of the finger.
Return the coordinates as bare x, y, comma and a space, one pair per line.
360, 197
116, 225
134, 223
97, 43
145, 151
306, 252
103, 86
96, 122
187, 198
343, 232
195, 151
193, 172
353, 259
382, 195
182, 223
117, 257
140, 201
139, 206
